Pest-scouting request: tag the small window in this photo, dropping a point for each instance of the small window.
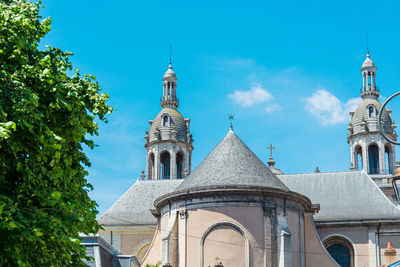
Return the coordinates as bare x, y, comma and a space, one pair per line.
371, 112
165, 121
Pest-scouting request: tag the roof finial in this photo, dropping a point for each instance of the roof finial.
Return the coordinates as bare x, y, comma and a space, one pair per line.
231, 117
271, 161
366, 40
170, 54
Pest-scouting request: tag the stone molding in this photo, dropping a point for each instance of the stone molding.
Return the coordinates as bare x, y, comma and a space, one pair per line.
225, 223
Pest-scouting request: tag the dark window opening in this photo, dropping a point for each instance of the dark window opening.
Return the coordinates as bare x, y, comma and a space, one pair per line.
371, 112
179, 165
373, 159
165, 163
340, 254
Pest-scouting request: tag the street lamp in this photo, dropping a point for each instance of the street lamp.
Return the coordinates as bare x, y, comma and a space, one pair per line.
396, 182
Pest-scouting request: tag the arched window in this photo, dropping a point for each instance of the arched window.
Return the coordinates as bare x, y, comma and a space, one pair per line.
373, 158
341, 250
358, 158
165, 163
150, 171
179, 165
165, 121
371, 112
388, 160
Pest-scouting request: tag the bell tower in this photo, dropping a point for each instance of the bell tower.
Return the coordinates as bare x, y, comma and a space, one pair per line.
369, 150
169, 141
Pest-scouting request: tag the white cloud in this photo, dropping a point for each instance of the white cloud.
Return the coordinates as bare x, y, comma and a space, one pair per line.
328, 109
256, 95
273, 108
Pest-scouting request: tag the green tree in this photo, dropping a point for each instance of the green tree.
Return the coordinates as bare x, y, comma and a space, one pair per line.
47, 115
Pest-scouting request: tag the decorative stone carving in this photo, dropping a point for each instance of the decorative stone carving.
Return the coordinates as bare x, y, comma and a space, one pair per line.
182, 214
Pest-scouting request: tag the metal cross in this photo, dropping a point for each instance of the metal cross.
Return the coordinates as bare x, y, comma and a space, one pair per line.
231, 117
270, 147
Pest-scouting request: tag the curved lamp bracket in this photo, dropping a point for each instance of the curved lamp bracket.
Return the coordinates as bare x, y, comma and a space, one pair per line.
380, 123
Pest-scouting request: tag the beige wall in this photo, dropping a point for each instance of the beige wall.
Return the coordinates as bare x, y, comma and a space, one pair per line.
224, 244
129, 240
153, 255
249, 219
316, 255
297, 243
233, 235
358, 236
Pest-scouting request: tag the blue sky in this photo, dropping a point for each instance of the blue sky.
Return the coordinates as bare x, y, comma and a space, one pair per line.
288, 70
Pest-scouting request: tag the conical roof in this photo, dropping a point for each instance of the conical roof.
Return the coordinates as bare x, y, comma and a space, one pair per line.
368, 63
231, 163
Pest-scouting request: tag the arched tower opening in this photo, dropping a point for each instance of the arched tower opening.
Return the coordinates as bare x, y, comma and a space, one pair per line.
165, 121
165, 165
358, 158
389, 159
179, 165
151, 169
373, 159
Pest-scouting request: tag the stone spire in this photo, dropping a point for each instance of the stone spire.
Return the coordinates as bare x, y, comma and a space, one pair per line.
369, 150
368, 69
169, 99
169, 141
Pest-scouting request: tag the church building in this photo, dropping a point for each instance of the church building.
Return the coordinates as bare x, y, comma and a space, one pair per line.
235, 210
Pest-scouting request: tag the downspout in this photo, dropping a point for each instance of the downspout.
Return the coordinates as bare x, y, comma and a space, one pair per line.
378, 251
111, 238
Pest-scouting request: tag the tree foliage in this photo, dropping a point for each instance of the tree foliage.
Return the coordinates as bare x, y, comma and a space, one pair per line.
47, 114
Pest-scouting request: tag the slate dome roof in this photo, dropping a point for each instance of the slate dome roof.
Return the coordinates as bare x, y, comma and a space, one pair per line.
176, 121
362, 114
231, 163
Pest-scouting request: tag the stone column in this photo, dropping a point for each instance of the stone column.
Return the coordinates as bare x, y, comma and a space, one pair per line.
156, 165
365, 156
363, 80
381, 151
392, 157
186, 165
352, 161
147, 165
172, 171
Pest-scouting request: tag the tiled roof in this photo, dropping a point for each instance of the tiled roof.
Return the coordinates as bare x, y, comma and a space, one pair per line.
343, 195
133, 208
231, 163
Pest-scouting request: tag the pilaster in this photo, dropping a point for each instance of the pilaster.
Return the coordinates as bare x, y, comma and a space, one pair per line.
269, 225
364, 156
173, 164
372, 247
156, 165
182, 237
382, 165
283, 242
